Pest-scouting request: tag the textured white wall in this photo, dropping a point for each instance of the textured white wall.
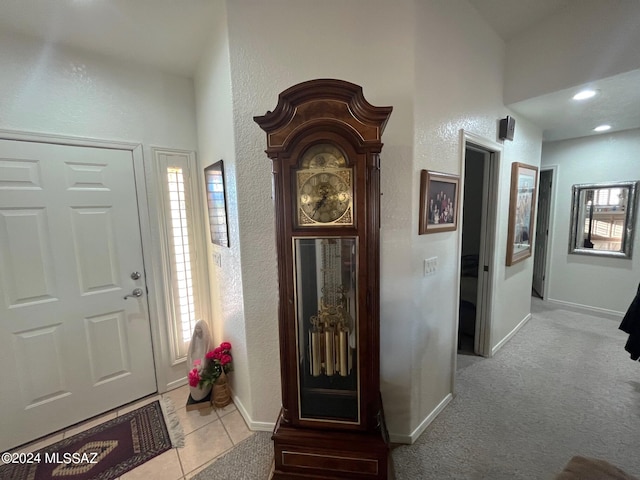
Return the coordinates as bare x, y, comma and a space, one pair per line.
566, 44
440, 66
595, 282
513, 284
53, 90
273, 46
215, 142
459, 83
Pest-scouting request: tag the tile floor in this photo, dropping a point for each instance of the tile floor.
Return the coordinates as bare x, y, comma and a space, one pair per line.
208, 432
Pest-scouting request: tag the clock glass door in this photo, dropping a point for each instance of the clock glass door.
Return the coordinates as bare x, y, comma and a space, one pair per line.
327, 328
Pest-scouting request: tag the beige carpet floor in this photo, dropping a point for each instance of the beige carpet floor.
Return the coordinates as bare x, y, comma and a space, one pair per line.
562, 387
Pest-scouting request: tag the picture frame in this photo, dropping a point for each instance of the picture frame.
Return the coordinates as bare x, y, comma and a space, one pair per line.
217, 203
522, 210
439, 198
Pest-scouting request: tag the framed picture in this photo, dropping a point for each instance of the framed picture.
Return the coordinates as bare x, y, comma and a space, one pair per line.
439, 193
217, 203
522, 209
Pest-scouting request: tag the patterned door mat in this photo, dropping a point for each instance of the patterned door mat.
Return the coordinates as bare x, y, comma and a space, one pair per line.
103, 452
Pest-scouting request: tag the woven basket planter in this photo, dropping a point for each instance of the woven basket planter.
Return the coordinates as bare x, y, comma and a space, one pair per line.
221, 396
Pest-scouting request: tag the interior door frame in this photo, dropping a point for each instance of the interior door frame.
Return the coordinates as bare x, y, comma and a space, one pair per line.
140, 170
550, 227
482, 343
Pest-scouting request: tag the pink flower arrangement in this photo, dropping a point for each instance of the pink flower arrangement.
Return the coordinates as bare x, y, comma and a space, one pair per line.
218, 360
194, 377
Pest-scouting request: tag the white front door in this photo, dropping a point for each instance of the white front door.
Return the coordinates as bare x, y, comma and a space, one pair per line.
71, 345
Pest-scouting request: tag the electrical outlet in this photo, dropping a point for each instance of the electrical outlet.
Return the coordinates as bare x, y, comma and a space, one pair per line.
430, 266
217, 259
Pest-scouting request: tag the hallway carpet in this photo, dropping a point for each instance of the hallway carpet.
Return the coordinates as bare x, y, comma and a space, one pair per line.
562, 386
251, 459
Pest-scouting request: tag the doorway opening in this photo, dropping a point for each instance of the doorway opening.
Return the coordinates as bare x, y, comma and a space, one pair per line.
542, 233
477, 245
474, 167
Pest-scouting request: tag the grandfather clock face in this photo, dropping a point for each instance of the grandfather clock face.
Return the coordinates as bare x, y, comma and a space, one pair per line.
324, 188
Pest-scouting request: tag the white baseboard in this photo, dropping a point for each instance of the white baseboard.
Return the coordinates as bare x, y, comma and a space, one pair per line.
262, 426
501, 343
413, 436
175, 384
393, 437
253, 425
600, 312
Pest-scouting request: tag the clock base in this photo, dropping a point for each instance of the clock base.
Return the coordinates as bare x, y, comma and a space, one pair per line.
305, 453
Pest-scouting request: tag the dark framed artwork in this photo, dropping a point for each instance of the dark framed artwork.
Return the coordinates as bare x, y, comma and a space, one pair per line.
217, 203
522, 209
439, 194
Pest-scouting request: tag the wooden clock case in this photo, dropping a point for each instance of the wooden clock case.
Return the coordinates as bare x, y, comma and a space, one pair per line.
351, 445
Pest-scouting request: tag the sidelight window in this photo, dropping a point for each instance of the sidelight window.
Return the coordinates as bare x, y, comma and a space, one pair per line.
185, 278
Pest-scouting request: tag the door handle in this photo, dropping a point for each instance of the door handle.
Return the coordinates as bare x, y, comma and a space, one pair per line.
137, 292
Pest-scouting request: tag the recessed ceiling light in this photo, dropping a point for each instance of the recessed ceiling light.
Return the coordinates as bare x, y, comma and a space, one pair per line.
584, 94
602, 128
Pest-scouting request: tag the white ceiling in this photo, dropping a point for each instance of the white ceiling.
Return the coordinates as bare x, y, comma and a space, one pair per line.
560, 117
167, 34
171, 34
510, 17
617, 104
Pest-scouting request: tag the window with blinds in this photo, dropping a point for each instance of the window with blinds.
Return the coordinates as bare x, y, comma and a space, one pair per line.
185, 279
608, 196
605, 218
182, 284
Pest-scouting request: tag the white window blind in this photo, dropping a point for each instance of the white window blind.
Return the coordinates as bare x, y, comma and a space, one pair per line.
181, 259
183, 243
608, 196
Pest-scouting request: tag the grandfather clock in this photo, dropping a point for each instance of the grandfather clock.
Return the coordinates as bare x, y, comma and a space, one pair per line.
324, 139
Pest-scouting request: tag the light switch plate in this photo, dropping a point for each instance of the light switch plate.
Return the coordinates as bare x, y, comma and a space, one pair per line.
430, 266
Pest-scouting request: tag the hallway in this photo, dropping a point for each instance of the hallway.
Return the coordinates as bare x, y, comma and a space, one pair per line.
562, 386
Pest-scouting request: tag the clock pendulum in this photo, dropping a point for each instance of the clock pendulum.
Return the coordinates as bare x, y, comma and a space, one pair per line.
329, 352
